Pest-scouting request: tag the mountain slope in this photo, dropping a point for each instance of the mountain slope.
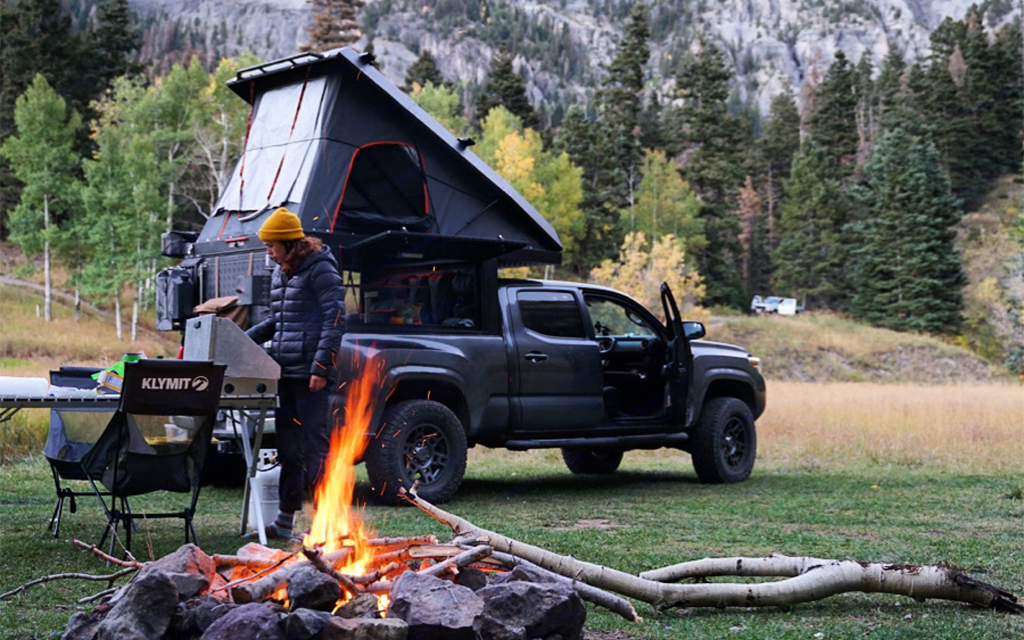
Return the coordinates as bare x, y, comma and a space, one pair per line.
560, 45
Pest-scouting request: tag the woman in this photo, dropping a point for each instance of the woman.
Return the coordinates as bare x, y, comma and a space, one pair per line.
307, 304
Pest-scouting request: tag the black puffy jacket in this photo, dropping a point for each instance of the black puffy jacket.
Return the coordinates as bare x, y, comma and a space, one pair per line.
307, 312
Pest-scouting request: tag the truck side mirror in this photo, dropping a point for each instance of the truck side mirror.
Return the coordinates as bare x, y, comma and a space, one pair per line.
694, 330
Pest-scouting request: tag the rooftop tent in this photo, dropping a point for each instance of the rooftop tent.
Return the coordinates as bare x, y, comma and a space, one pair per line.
338, 144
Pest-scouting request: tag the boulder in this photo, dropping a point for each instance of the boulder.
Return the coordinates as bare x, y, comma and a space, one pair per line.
188, 558
83, 626
189, 585
364, 629
193, 617
519, 610
255, 621
143, 610
302, 624
360, 606
309, 588
473, 578
434, 608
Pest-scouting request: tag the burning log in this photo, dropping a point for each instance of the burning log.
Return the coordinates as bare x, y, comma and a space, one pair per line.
819, 579
315, 557
461, 560
254, 591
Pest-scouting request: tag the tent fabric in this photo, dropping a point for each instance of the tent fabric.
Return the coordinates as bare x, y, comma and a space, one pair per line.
327, 128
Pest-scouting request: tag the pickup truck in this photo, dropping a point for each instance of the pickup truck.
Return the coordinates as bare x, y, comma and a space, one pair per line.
561, 365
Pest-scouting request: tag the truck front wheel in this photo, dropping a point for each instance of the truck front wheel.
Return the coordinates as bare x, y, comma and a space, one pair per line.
420, 440
724, 442
592, 461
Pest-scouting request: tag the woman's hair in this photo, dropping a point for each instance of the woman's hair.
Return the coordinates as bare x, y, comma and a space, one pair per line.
297, 250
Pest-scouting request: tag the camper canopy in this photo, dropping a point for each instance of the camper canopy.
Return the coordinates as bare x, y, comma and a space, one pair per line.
339, 145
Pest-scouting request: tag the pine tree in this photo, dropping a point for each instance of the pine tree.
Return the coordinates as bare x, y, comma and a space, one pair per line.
587, 144
781, 141
506, 88
714, 143
867, 110
42, 156
810, 260
421, 72
621, 97
907, 273
652, 133
753, 238
334, 24
833, 122
115, 40
891, 87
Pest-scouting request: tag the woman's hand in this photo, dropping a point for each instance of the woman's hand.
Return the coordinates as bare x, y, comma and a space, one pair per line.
316, 383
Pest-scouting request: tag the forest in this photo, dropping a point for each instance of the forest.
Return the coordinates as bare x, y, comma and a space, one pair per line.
848, 203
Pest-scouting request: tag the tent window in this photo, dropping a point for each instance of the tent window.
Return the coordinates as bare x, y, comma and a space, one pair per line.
385, 188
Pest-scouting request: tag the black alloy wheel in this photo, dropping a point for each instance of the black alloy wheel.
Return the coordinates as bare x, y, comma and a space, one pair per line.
724, 442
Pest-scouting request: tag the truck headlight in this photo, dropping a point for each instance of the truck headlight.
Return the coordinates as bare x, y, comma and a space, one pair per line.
754, 361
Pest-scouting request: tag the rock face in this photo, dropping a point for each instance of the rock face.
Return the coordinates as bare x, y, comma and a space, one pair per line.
434, 609
770, 43
144, 609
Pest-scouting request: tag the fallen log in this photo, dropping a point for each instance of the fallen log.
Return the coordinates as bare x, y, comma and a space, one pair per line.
817, 582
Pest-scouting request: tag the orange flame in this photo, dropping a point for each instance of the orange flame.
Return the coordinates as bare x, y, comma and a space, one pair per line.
336, 523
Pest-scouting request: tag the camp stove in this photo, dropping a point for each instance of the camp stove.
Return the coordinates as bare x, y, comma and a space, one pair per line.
250, 390
250, 373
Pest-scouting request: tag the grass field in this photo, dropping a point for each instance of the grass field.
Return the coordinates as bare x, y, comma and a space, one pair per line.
891, 473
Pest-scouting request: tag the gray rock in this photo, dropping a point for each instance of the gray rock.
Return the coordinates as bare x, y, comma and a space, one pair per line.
475, 579
303, 624
364, 629
193, 617
434, 608
189, 584
358, 607
527, 573
308, 588
144, 609
519, 610
187, 558
83, 626
254, 621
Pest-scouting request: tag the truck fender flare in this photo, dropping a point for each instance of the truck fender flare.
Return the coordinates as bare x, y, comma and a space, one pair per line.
419, 373
711, 376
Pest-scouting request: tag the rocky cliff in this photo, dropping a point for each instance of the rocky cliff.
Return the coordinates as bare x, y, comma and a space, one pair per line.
561, 45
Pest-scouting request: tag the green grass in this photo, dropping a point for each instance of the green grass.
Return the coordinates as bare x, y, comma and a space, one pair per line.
661, 516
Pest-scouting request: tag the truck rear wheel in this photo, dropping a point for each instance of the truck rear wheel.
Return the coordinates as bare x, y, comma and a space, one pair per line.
420, 440
725, 442
592, 461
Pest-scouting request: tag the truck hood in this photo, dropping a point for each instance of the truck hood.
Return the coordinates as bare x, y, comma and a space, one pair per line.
706, 347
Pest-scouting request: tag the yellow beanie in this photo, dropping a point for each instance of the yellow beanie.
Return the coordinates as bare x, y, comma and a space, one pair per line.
280, 226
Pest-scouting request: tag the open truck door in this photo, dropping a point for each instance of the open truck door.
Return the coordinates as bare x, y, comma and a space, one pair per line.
678, 357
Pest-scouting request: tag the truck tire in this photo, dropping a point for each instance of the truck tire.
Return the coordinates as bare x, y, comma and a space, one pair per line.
420, 440
725, 442
592, 461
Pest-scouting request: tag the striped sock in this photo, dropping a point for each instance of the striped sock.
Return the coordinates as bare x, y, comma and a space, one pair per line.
284, 523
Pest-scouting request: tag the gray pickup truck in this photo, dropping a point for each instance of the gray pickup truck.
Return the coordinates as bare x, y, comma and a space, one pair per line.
561, 365
421, 227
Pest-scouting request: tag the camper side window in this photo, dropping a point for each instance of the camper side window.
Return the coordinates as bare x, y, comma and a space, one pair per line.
423, 296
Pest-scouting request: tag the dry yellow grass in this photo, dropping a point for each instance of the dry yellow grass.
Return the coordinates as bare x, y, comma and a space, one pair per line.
975, 428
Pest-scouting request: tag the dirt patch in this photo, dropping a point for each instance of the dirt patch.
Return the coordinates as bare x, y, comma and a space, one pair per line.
594, 523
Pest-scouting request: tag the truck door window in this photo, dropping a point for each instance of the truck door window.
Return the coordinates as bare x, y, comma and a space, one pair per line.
552, 313
611, 318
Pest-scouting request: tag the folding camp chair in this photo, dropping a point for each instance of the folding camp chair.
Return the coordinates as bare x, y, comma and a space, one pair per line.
156, 440
73, 431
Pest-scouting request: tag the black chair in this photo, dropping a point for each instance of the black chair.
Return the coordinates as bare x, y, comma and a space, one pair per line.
156, 440
73, 432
